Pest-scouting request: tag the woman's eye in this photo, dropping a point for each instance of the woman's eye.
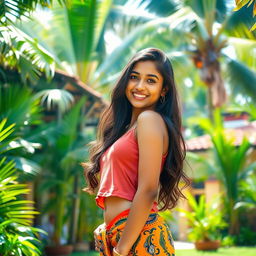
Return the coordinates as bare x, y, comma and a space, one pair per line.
133, 77
151, 81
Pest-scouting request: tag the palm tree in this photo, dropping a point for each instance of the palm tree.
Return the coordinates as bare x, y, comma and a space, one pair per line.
17, 235
59, 158
84, 54
80, 26
11, 10
210, 27
18, 106
232, 166
18, 50
240, 4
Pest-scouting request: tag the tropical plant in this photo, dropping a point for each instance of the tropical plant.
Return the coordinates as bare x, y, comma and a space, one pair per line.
232, 166
205, 219
241, 3
195, 21
17, 236
246, 207
81, 27
209, 28
88, 219
10, 10
18, 106
58, 99
247, 195
23, 53
167, 215
59, 160
92, 61
19, 51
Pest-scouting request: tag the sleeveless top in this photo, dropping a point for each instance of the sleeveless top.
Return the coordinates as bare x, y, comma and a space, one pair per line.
119, 169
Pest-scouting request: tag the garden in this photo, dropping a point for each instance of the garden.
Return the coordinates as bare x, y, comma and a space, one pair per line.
59, 61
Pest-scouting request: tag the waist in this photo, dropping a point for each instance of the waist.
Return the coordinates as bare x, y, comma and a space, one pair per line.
124, 215
113, 206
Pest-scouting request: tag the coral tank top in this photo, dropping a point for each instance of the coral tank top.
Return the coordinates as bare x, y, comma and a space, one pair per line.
119, 169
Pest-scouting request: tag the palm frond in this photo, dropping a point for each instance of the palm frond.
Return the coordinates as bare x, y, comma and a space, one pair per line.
241, 4
86, 21
52, 98
241, 78
10, 10
140, 32
23, 53
16, 214
239, 23
163, 8
245, 51
203, 8
18, 106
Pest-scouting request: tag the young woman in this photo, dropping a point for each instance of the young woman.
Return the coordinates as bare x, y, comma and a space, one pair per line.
136, 163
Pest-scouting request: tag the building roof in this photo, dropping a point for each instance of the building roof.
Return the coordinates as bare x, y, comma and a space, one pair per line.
203, 142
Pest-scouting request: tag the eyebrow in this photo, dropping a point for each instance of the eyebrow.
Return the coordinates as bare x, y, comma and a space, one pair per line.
147, 74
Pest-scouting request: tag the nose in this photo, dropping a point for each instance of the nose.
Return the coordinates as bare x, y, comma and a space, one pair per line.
140, 84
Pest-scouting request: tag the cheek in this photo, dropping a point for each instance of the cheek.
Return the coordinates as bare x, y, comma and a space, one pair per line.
128, 88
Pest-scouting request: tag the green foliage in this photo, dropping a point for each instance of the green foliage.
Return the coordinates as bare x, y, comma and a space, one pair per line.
239, 73
58, 98
242, 3
10, 10
24, 54
205, 219
231, 163
17, 237
80, 26
246, 237
228, 241
17, 106
248, 107
247, 195
60, 161
89, 218
167, 215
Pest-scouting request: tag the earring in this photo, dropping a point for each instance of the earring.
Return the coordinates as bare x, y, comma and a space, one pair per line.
162, 99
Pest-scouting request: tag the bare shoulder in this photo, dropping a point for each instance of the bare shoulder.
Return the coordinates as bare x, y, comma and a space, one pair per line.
150, 119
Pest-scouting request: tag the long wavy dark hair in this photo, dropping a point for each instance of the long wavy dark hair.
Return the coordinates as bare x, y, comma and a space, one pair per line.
117, 116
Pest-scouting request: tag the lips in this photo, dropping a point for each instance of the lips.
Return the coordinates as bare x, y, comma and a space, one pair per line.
139, 96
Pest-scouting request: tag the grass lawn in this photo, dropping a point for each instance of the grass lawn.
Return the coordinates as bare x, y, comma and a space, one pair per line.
233, 251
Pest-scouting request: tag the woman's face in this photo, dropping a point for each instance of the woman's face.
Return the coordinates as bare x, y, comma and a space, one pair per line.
145, 86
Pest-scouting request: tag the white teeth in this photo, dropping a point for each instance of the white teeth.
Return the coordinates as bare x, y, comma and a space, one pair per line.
140, 96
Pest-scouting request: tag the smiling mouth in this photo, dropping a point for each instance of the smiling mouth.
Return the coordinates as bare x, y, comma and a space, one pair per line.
139, 96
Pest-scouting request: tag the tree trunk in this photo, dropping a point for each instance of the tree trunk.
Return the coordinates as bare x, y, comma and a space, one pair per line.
234, 222
75, 211
210, 106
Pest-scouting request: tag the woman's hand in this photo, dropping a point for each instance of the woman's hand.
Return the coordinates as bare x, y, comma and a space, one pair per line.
96, 233
117, 253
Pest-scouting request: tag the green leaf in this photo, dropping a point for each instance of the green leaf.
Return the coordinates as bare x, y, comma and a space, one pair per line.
242, 78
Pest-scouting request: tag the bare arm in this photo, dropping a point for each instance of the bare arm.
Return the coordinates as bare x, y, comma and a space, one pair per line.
150, 142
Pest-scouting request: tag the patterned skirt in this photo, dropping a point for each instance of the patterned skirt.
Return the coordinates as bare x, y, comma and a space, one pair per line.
154, 239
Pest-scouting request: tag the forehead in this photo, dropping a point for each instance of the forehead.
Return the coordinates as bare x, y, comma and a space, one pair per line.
146, 67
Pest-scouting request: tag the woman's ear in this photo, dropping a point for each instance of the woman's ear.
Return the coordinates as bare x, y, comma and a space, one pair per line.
164, 91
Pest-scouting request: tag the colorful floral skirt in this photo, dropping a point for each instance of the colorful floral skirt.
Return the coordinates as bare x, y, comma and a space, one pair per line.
154, 239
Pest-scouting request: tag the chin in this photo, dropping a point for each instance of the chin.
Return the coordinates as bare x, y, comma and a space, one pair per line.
138, 105
142, 107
